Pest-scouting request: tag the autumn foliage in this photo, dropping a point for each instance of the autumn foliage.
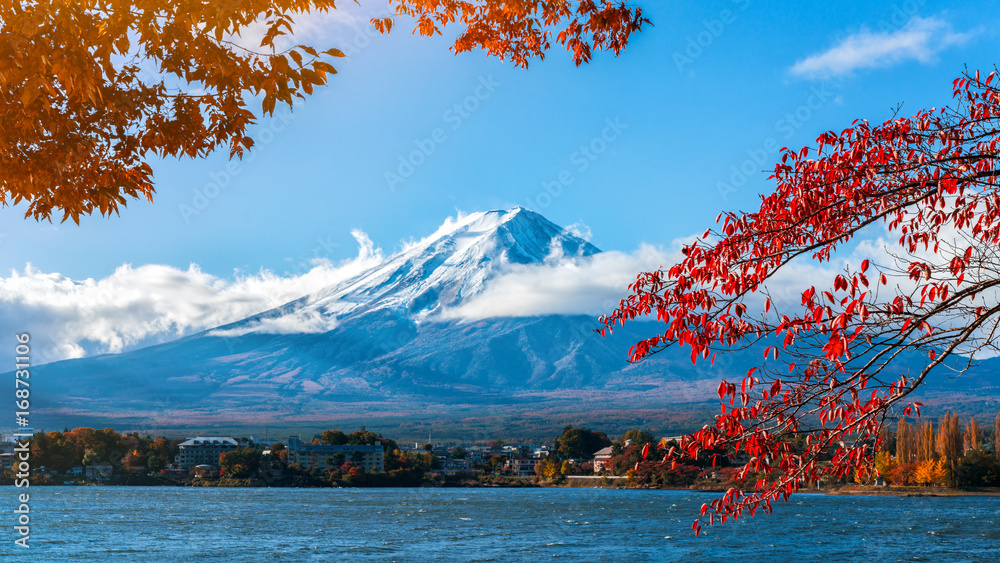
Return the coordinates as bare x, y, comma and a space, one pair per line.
520, 30
90, 91
829, 371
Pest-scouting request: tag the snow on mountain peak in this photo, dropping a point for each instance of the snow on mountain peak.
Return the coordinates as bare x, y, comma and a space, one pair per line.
450, 265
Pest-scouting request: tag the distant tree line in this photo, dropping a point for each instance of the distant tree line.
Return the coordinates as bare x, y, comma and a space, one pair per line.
951, 454
915, 453
61, 451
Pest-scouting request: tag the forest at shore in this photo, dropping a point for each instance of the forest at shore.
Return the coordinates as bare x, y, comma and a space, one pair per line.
916, 457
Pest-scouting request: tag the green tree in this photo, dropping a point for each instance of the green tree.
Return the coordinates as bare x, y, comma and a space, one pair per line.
153, 462
458, 452
240, 463
977, 469
336, 460
639, 437
580, 443
388, 445
334, 438
362, 438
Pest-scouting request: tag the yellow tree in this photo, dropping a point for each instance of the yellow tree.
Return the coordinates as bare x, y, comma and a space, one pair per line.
552, 467
972, 435
930, 472
90, 90
926, 449
885, 464
949, 439
906, 447
949, 442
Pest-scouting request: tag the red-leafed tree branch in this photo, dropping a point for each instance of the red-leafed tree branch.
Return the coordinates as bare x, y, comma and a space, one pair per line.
832, 372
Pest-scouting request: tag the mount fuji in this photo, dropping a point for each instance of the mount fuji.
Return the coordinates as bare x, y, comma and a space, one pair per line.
386, 349
432, 276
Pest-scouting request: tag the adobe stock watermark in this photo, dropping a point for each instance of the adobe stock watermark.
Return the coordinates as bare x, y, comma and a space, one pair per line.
762, 155
22, 462
220, 179
581, 159
713, 28
454, 117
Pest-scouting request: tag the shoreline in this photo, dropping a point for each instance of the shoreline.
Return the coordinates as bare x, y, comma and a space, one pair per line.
896, 491
842, 490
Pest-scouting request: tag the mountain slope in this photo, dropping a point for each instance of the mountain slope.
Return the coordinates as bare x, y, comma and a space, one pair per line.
386, 347
388, 358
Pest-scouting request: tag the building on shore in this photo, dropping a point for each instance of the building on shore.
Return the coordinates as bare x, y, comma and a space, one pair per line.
450, 466
322, 456
601, 459
100, 471
203, 450
523, 466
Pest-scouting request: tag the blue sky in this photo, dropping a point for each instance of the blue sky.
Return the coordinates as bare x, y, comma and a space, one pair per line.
711, 88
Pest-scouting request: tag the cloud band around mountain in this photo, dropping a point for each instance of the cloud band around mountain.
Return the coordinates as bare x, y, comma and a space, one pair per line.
140, 306
137, 306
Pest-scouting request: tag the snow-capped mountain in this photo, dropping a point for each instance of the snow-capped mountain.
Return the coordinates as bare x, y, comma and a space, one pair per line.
385, 348
431, 275
451, 265
388, 356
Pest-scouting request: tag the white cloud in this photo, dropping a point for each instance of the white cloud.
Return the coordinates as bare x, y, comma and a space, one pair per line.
568, 285
594, 285
142, 305
580, 231
138, 306
450, 224
295, 322
921, 39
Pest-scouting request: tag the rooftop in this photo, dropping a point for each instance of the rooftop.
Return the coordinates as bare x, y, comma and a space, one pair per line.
209, 441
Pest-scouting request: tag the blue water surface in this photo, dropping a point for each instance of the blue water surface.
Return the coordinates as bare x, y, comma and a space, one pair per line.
430, 524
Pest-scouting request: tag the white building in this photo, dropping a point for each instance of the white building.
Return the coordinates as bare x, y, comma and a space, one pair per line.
203, 450
370, 458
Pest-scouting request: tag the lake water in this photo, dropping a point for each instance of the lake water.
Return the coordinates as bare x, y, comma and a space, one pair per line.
204, 524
